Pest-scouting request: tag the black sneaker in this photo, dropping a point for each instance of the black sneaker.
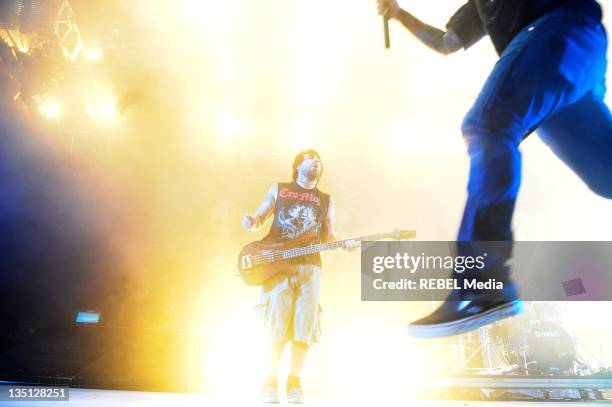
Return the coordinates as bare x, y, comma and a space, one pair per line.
269, 391
295, 395
456, 316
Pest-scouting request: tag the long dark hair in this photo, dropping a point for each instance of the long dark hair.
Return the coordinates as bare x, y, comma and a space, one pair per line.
300, 157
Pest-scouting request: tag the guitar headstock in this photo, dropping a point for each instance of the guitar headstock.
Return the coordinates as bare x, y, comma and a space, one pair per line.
403, 234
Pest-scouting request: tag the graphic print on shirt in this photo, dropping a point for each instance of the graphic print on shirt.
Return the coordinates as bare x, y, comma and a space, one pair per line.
298, 220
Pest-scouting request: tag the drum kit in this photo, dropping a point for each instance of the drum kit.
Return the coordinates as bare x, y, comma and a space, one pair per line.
535, 343
542, 347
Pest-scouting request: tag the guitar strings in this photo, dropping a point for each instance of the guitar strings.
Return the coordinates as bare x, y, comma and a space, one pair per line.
264, 258
280, 255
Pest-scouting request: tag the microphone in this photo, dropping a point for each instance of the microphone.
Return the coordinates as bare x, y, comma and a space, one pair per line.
386, 29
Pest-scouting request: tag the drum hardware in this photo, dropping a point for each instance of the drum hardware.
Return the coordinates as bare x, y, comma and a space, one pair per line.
533, 348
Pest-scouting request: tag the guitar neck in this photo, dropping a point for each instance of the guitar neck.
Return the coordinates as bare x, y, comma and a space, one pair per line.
321, 247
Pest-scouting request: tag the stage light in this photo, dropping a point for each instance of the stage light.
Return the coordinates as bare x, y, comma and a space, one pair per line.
107, 109
93, 53
87, 317
51, 109
229, 126
104, 109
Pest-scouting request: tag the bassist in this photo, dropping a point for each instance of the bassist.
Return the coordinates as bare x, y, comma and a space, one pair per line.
289, 308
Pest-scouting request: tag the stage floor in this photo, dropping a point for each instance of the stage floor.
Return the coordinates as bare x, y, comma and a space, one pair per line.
114, 398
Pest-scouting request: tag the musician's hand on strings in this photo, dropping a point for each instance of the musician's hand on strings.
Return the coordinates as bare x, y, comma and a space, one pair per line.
390, 8
250, 222
350, 245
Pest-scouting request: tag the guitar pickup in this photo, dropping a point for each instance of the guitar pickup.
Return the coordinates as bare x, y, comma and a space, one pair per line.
246, 261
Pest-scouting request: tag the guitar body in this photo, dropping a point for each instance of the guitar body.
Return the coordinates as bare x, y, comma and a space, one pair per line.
257, 274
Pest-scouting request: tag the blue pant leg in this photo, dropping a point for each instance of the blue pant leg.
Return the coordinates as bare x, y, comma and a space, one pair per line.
581, 136
544, 69
494, 181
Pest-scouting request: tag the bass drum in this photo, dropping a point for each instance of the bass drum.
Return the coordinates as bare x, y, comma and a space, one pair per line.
546, 346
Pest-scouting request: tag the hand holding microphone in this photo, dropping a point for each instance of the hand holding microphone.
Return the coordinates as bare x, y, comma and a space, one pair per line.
387, 9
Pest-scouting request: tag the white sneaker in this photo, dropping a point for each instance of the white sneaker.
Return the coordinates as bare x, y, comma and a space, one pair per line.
295, 395
269, 393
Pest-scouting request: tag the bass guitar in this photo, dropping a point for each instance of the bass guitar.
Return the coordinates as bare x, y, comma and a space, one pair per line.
261, 260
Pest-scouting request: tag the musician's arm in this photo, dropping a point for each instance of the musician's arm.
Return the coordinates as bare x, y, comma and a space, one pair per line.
330, 234
266, 209
463, 29
444, 42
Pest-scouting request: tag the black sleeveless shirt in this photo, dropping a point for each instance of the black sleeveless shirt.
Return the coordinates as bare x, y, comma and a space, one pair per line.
299, 212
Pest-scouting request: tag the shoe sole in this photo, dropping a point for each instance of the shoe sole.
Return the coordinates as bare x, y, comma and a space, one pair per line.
467, 324
270, 400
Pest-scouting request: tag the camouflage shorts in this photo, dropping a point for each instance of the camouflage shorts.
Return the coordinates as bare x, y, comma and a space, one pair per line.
289, 309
